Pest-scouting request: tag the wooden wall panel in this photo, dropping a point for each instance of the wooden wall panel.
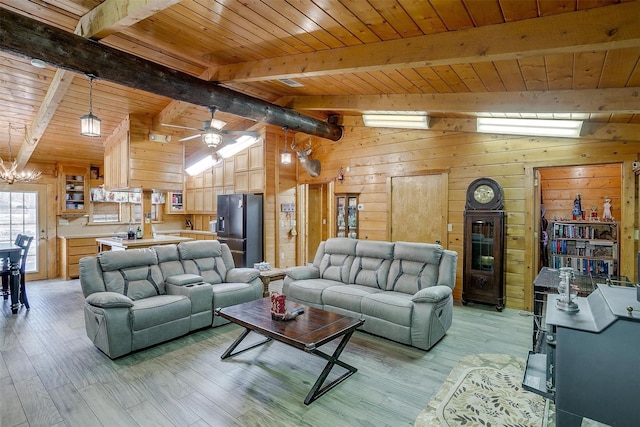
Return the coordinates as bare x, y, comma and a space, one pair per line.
371, 155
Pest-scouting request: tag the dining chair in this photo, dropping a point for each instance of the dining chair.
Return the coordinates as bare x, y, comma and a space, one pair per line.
24, 242
5, 272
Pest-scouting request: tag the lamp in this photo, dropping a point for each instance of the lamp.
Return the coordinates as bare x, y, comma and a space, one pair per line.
11, 174
90, 124
531, 127
396, 119
285, 156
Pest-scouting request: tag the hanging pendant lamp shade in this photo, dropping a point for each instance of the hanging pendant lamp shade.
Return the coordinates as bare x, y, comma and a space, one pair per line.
285, 156
90, 124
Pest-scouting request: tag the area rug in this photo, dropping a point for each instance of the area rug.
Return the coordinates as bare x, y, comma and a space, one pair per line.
484, 390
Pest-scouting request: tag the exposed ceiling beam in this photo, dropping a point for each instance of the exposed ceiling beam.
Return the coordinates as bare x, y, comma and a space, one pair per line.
612, 100
106, 18
598, 29
113, 16
20, 35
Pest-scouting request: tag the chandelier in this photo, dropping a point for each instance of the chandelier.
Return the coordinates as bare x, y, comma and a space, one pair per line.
10, 174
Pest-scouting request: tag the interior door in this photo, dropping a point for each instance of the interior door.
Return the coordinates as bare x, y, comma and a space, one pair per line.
316, 210
419, 208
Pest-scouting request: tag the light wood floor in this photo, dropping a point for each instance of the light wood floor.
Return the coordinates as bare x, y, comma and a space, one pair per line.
52, 375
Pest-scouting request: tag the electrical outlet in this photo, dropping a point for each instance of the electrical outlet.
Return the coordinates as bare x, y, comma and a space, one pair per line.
281, 255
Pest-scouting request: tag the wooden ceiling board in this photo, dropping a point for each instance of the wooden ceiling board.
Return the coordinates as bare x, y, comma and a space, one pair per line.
484, 12
619, 65
559, 69
257, 40
489, 76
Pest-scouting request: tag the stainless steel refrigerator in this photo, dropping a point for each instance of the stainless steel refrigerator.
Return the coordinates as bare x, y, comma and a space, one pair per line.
240, 227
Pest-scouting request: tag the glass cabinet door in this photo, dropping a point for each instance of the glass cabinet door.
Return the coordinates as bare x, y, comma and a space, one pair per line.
482, 233
347, 215
341, 219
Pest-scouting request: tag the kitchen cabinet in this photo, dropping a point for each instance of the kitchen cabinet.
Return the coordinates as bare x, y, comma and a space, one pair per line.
72, 249
175, 203
73, 184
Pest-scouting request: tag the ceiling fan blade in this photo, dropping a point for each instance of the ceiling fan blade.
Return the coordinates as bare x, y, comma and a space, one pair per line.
180, 127
187, 138
240, 133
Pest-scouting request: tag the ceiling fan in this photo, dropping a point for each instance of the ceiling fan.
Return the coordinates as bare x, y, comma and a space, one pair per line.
212, 134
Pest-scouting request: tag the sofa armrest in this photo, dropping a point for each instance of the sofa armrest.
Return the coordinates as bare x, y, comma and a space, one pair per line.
303, 272
184, 279
241, 275
109, 300
432, 294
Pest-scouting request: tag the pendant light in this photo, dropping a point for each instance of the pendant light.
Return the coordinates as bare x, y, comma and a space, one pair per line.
90, 124
285, 156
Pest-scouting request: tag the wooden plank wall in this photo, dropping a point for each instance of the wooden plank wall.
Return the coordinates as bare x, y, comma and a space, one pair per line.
373, 154
559, 186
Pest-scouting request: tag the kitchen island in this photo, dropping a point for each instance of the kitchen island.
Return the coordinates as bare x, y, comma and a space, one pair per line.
119, 244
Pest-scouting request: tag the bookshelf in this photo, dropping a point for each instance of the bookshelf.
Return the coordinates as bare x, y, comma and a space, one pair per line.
591, 248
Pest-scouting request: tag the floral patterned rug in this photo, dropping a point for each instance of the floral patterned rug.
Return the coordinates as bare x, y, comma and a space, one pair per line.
485, 390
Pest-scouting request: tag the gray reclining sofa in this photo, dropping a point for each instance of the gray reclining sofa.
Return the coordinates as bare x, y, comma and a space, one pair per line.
141, 297
402, 290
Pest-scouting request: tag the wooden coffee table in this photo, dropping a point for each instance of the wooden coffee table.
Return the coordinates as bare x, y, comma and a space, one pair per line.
307, 332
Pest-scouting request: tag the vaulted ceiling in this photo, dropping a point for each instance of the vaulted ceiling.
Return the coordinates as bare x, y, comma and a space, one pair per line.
456, 59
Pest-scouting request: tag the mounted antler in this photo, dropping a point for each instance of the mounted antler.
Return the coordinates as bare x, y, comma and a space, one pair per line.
312, 166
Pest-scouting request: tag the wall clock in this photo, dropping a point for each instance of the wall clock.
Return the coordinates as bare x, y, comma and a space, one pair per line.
484, 194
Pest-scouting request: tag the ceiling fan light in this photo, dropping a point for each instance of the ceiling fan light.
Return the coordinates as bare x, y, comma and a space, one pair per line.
211, 140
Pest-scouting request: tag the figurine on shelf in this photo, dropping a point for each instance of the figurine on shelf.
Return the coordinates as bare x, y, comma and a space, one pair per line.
606, 214
594, 213
577, 208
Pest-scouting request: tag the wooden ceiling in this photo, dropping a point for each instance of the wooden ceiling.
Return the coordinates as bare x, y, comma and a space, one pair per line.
456, 59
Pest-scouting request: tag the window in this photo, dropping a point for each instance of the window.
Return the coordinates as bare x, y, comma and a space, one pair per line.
105, 212
136, 213
19, 215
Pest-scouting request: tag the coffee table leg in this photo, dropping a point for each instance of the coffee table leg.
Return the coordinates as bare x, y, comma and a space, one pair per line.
243, 335
316, 390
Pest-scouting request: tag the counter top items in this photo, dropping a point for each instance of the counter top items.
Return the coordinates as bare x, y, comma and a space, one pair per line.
161, 292
118, 243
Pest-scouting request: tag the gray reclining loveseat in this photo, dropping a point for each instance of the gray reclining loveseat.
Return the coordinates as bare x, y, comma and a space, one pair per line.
141, 297
402, 290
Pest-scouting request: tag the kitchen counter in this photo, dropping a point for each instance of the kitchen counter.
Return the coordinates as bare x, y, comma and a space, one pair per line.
117, 244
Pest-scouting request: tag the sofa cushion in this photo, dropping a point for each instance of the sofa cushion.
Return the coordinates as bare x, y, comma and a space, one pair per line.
149, 312
134, 273
337, 259
347, 297
204, 258
415, 266
310, 291
371, 264
394, 307
169, 260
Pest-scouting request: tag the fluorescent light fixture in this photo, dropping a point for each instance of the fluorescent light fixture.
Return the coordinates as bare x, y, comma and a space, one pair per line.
396, 119
201, 165
241, 143
532, 127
